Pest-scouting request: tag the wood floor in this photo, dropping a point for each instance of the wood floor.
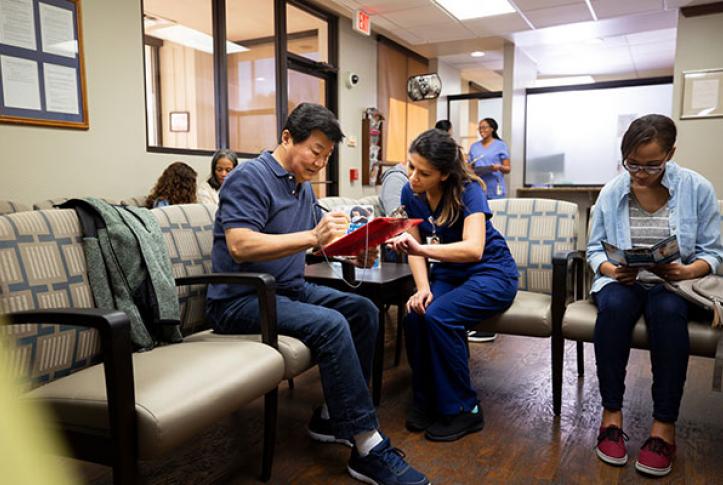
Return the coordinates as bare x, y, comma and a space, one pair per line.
522, 443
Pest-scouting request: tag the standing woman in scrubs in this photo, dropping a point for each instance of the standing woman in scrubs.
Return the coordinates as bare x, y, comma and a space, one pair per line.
490, 159
473, 277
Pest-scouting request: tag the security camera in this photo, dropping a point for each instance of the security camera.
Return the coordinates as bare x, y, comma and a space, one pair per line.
351, 80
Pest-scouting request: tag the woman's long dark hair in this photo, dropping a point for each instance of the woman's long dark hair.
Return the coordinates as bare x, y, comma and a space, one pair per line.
493, 124
219, 155
177, 185
443, 153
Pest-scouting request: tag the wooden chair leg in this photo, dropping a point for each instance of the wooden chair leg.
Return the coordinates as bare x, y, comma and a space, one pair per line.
580, 358
400, 334
271, 404
290, 381
558, 349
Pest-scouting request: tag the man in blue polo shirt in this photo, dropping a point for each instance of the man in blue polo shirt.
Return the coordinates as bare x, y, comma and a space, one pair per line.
266, 220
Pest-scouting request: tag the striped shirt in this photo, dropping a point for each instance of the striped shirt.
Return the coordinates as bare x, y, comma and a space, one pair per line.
646, 229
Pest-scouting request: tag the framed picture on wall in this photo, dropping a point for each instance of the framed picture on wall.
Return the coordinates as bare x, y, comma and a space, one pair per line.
702, 94
42, 74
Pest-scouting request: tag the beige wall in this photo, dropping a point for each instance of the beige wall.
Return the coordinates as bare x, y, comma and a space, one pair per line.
358, 54
110, 158
700, 142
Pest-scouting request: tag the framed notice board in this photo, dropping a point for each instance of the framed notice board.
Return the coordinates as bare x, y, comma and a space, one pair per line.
42, 77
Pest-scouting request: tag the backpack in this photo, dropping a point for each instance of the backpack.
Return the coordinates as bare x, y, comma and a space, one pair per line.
706, 292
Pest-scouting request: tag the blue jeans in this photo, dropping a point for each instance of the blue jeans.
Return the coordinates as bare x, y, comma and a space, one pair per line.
340, 329
666, 317
437, 341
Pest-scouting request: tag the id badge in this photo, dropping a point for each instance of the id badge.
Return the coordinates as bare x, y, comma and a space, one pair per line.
499, 188
433, 240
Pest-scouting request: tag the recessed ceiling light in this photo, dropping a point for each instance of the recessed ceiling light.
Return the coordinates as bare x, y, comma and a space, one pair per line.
465, 9
562, 81
477, 54
261, 79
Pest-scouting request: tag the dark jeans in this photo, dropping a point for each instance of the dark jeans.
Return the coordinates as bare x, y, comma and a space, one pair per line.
666, 317
340, 329
437, 341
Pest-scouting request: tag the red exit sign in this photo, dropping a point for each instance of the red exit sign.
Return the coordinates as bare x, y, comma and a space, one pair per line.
362, 22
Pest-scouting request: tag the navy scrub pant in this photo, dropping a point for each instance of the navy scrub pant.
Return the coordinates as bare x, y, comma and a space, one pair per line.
666, 316
340, 329
437, 341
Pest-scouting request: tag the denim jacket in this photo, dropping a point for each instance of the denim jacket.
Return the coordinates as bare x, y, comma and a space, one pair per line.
694, 219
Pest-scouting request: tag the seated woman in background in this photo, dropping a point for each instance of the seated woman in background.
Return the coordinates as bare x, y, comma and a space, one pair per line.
654, 199
176, 185
473, 277
222, 163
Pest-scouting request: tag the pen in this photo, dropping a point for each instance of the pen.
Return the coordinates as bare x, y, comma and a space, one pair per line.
321, 207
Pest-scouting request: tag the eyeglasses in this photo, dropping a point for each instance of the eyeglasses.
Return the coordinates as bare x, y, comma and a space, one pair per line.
649, 169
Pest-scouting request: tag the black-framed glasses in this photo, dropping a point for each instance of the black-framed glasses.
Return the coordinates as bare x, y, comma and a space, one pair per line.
649, 169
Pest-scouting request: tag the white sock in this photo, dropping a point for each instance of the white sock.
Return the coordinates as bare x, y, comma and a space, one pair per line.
367, 440
325, 411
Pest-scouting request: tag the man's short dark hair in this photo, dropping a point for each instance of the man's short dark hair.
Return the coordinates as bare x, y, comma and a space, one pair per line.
308, 117
444, 125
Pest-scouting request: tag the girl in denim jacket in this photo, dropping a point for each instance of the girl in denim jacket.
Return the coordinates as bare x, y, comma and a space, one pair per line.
653, 199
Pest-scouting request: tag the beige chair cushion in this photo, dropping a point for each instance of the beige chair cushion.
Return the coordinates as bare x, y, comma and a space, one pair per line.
297, 356
180, 389
529, 315
579, 324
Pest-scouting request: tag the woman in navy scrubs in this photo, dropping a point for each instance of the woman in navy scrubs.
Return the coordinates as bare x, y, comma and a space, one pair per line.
473, 277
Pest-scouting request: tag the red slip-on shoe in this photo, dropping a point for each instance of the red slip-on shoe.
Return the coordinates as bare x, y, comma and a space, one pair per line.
611, 445
655, 457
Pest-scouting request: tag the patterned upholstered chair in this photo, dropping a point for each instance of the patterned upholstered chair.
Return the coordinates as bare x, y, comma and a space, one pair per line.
10, 207
535, 229
189, 236
373, 200
51, 203
578, 322
137, 201
117, 407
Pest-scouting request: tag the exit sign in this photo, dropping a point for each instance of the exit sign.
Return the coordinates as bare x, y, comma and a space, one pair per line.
362, 22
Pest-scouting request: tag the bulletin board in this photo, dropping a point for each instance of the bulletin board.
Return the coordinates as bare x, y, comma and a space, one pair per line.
42, 74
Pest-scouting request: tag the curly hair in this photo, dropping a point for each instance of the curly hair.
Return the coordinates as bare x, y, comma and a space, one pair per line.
177, 185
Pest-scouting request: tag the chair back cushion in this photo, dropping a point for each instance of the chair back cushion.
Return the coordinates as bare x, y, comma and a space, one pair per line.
188, 230
137, 201
535, 229
10, 207
332, 203
42, 266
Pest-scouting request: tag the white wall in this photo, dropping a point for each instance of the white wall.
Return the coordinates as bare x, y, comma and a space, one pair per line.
110, 158
700, 142
451, 84
357, 54
519, 70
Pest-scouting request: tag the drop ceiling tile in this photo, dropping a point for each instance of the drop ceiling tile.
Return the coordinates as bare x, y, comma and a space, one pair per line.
497, 25
381, 7
441, 33
652, 36
537, 4
566, 14
619, 8
414, 17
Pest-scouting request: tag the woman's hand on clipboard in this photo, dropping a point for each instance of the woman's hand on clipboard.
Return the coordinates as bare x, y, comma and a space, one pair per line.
407, 243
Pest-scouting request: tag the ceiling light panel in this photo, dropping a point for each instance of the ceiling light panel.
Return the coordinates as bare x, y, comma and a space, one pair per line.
466, 9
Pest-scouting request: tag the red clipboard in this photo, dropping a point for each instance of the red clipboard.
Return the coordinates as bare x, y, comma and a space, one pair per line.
379, 229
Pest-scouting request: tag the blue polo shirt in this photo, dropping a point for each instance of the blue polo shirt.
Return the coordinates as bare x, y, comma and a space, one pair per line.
494, 153
496, 257
262, 196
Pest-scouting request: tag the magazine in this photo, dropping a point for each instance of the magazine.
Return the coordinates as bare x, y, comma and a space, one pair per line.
662, 252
